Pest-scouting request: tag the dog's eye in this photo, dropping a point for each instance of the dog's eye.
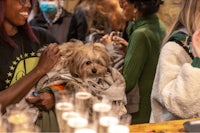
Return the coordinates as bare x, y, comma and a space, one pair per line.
88, 62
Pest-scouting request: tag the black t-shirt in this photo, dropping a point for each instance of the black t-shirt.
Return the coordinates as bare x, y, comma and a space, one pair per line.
15, 63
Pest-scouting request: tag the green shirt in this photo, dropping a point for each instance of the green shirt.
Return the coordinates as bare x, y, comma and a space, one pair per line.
145, 39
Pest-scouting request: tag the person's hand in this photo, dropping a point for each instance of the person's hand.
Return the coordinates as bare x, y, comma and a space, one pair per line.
196, 42
113, 39
106, 40
48, 58
44, 101
120, 41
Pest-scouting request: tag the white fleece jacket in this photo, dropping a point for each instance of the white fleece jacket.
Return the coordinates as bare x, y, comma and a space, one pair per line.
176, 88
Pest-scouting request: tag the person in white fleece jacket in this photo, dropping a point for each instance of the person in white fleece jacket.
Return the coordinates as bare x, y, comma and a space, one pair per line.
176, 88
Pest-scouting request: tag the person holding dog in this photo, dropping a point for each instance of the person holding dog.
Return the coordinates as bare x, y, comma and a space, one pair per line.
175, 93
20, 67
145, 34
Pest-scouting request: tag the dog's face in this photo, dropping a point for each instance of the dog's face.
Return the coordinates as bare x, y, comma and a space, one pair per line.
84, 61
89, 61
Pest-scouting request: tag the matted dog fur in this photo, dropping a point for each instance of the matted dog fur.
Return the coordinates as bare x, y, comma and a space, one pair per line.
87, 66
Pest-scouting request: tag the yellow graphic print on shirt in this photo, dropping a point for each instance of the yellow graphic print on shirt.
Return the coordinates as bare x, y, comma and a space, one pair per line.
20, 67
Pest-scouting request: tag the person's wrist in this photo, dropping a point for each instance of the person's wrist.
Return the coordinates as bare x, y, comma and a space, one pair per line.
39, 71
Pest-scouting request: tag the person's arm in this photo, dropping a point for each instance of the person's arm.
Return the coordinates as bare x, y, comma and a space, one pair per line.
135, 59
17, 91
177, 83
111, 38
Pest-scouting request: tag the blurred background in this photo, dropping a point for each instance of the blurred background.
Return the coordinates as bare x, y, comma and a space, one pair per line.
167, 13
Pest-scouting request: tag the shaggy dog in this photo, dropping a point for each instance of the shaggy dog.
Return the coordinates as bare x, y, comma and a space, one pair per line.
87, 67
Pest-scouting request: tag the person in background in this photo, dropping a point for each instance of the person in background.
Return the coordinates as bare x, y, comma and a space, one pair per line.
176, 87
34, 10
54, 18
79, 25
145, 34
121, 3
20, 67
94, 18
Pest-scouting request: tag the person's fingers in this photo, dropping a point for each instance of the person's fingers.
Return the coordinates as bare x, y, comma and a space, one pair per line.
112, 33
53, 47
105, 36
47, 101
33, 99
53, 51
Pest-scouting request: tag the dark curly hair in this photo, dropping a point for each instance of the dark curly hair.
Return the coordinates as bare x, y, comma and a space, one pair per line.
146, 7
4, 36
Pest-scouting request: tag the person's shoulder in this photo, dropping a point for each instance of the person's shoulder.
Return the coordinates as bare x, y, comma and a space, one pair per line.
66, 13
181, 37
173, 51
173, 47
38, 18
143, 31
176, 39
80, 8
80, 11
149, 29
43, 34
39, 30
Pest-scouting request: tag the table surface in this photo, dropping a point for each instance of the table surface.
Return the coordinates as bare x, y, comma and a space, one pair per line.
166, 127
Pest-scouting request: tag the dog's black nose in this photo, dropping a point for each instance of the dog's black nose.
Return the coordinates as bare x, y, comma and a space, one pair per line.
94, 70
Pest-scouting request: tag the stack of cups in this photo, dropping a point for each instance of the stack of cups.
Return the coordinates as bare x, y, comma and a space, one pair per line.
20, 119
122, 126
82, 113
64, 103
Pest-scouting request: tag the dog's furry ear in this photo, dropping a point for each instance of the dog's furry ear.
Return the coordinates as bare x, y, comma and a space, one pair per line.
104, 53
102, 49
67, 49
74, 64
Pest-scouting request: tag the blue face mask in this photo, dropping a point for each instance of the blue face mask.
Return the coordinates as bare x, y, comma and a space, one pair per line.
48, 7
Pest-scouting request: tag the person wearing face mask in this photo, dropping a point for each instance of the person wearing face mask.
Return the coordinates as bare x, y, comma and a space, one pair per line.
53, 18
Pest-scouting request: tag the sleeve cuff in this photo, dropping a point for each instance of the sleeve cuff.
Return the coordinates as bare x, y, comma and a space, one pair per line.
196, 62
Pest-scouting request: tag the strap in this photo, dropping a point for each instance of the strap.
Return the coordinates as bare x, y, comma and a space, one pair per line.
183, 40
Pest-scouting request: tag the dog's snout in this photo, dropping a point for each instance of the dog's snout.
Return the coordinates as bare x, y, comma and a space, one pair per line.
94, 70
